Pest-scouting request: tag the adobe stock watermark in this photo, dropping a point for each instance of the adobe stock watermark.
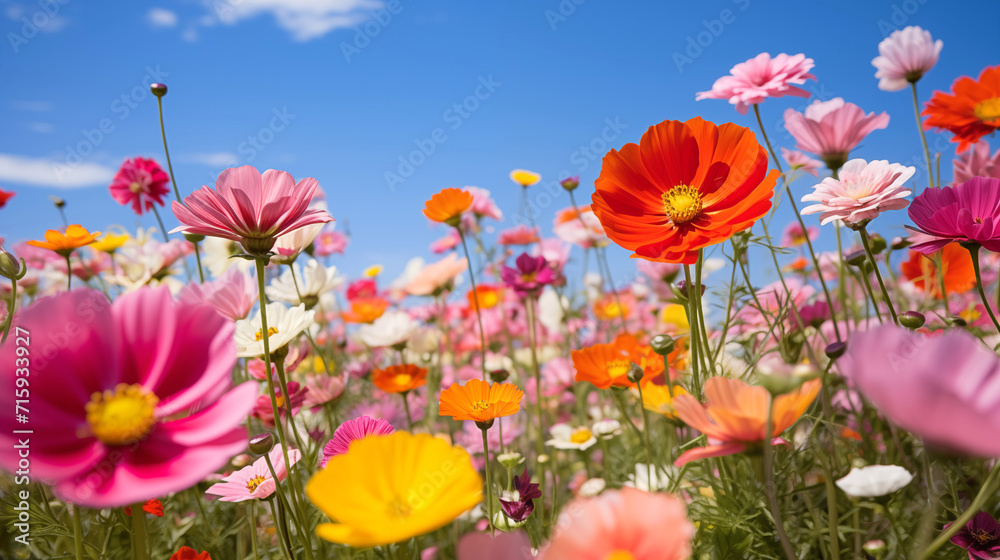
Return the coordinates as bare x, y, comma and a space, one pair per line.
255, 143
40, 19
563, 10
454, 116
713, 28
899, 16
365, 33
121, 107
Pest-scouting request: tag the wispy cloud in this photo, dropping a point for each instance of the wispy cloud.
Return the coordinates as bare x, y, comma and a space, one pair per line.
211, 159
40, 127
43, 172
161, 17
38, 16
304, 19
32, 106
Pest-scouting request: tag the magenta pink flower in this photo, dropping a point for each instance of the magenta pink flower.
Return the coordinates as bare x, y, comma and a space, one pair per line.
797, 160
905, 56
353, 430
831, 129
250, 208
140, 182
233, 294
977, 162
967, 213
753, 81
129, 401
263, 410
254, 481
861, 193
531, 275
944, 388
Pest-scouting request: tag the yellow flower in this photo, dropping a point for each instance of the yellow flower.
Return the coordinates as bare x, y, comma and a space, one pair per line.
660, 399
524, 177
674, 315
372, 271
110, 242
387, 489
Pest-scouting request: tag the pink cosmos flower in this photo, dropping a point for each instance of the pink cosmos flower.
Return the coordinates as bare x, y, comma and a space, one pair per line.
831, 129
129, 401
862, 192
353, 430
482, 205
233, 294
793, 234
967, 213
445, 244
502, 546
140, 182
254, 481
753, 81
555, 251
329, 242
797, 160
436, 276
264, 412
623, 522
945, 388
531, 275
905, 56
250, 208
289, 246
519, 235
977, 163
323, 388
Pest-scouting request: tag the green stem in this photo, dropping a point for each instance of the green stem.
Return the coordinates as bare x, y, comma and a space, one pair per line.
536, 370
923, 138
769, 487
488, 495
406, 407
282, 528
139, 532
878, 275
252, 522
973, 249
985, 493
197, 258
645, 435
69, 273
163, 134
77, 532
475, 300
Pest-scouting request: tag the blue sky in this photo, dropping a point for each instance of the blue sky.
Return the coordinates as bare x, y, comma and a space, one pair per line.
342, 89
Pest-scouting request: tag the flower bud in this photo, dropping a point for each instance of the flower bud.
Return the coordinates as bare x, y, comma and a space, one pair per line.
158, 89
857, 258
485, 425
662, 344
570, 183
194, 237
683, 287
835, 350
261, 444
874, 548
878, 243
10, 267
900, 243
60, 203
635, 373
912, 319
510, 460
499, 375
956, 321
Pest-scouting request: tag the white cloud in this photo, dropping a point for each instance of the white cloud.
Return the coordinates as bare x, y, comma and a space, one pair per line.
190, 34
212, 159
160, 17
38, 126
33, 106
304, 19
43, 172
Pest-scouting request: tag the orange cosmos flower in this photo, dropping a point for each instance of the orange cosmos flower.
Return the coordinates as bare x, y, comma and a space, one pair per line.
970, 112
399, 378
607, 365
76, 236
959, 275
685, 186
489, 296
365, 310
479, 401
736, 413
447, 206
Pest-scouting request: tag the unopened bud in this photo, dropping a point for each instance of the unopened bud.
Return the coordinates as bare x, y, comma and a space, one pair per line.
956, 321
912, 319
10, 267
635, 373
835, 350
510, 460
857, 258
900, 243
194, 237
683, 287
261, 444
499, 375
878, 244
60, 203
570, 183
485, 425
158, 89
662, 344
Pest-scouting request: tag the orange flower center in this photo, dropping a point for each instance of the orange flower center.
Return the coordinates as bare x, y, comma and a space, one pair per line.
581, 435
988, 110
254, 482
682, 204
617, 368
619, 555
271, 331
122, 416
480, 406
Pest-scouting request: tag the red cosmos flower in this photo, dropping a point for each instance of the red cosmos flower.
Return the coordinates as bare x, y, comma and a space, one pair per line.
188, 553
152, 507
685, 186
970, 112
140, 182
5, 196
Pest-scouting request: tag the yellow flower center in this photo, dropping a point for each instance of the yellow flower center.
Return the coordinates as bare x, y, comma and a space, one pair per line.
254, 482
982, 536
620, 555
271, 331
488, 299
971, 315
135, 187
399, 509
682, 204
612, 310
988, 110
617, 368
403, 379
480, 406
122, 416
581, 435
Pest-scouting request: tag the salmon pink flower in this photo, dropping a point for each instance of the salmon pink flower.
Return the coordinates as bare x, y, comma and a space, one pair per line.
831, 129
862, 191
519, 235
254, 481
134, 402
797, 160
753, 81
437, 277
977, 163
905, 56
967, 213
354, 430
142, 183
251, 208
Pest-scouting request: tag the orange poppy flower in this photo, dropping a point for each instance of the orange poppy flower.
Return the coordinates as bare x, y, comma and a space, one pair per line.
399, 378
959, 275
685, 186
479, 401
607, 365
736, 413
188, 553
489, 296
365, 310
798, 265
567, 215
970, 112
76, 236
447, 206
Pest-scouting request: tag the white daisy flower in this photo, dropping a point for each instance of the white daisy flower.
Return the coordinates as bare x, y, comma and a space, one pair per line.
565, 436
283, 324
392, 328
874, 481
313, 281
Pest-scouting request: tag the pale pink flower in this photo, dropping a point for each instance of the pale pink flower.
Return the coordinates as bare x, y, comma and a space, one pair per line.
289, 246
443, 245
797, 160
233, 294
353, 430
330, 241
250, 208
977, 162
555, 251
254, 481
436, 276
831, 129
753, 81
618, 522
862, 192
483, 205
905, 56
323, 388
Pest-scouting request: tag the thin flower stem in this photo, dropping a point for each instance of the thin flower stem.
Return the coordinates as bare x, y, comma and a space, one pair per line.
406, 407
252, 522
597, 250
985, 494
166, 238
163, 134
475, 300
536, 370
139, 532
878, 275
870, 293
77, 532
69, 273
11, 306
282, 528
619, 401
488, 495
197, 258
923, 138
769, 487
729, 308
694, 344
939, 272
645, 436
973, 249
703, 332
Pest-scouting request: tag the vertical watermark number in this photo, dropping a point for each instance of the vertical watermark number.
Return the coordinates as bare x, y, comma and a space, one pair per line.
22, 434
